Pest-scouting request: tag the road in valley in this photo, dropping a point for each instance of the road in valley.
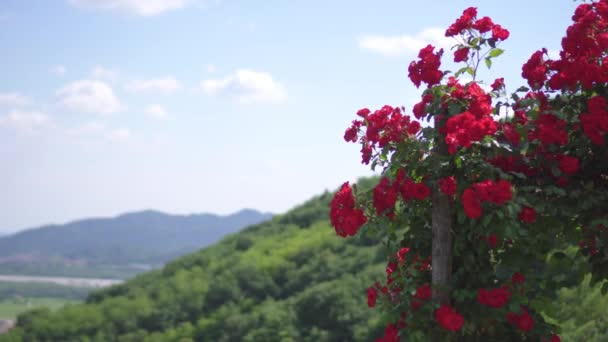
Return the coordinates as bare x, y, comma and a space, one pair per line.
67, 281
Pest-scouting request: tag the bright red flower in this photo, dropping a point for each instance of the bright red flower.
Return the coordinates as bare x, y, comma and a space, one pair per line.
527, 215
401, 253
495, 298
461, 55
535, 70
525, 322
372, 295
427, 68
471, 204
421, 191
492, 240
569, 165
448, 185
391, 334
343, 216
483, 25
448, 318
499, 33
351, 133
517, 278
464, 22
494, 192
498, 83
363, 112
423, 292
555, 338
385, 196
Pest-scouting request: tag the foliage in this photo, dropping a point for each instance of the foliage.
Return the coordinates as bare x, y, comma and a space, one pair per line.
282, 280
11, 307
477, 207
10, 290
292, 283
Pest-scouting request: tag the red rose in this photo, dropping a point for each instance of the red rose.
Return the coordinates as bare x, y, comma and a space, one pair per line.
498, 83
372, 295
343, 216
462, 23
569, 165
384, 197
471, 204
401, 254
461, 55
492, 240
423, 292
448, 318
495, 298
555, 338
421, 191
499, 33
391, 334
363, 112
525, 322
527, 215
517, 278
448, 186
483, 25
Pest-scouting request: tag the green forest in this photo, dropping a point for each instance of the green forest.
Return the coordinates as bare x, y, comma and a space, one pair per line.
287, 279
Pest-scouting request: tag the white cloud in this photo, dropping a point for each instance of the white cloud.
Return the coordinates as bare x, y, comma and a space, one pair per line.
88, 128
247, 86
14, 99
210, 68
102, 73
405, 44
26, 121
89, 97
58, 70
165, 85
119, 134
138, 7
157, 111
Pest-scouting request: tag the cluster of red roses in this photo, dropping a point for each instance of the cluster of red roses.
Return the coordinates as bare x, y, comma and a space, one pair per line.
383, 126
401, 267
595, 120
344, 216
582, 61
448, 318
468, 21
463, 116
385, 193
427, 68
487, 191
582, 58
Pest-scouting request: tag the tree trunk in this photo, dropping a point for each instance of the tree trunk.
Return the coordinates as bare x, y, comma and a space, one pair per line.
442, 246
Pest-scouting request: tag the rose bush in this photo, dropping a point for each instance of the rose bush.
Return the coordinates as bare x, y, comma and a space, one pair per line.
479, 210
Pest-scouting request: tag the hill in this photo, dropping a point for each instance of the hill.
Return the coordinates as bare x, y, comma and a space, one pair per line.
116, 247
287, 279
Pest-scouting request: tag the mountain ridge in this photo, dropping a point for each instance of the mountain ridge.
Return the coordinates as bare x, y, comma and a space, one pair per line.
142, 237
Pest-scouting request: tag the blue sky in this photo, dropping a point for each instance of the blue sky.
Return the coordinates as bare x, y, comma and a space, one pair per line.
108, 106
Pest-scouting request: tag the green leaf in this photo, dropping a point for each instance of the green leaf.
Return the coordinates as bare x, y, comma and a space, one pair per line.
488, 62
486, 220
496, 52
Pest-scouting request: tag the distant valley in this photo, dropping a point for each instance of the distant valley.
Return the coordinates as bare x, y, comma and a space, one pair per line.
118, 247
